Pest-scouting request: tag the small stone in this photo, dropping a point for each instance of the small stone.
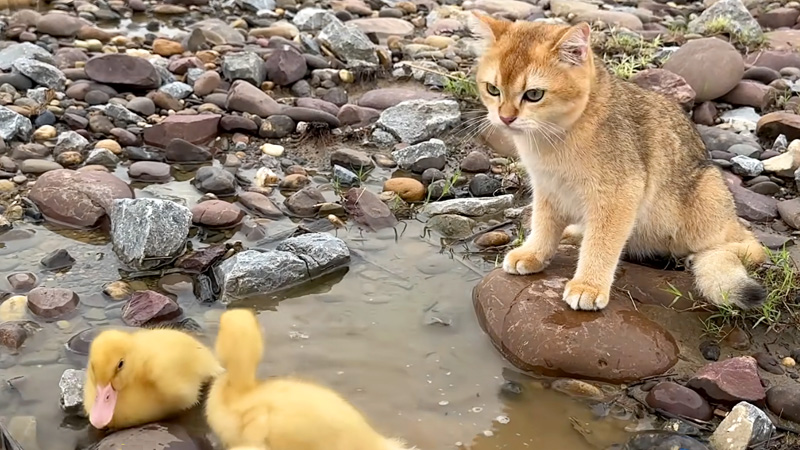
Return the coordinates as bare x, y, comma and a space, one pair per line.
367, 209
744, 425
422, 156
52, 303
747, 167
493, 239
13, 308
451, 226
118, 290
471, 207
71, 386
272, 150
784, 401
22, 281
710, 350
577, 388
322, 252
305, 202
58, 259
217, 214
768, 363
679, 400
408, 189
149, 307
476, 162
731, 380
415, 121
788, 361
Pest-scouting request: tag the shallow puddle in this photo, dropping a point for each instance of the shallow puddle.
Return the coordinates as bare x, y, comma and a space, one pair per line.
396, 334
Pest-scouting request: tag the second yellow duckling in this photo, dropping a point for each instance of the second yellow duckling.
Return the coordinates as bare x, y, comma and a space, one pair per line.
279, 413
145, 376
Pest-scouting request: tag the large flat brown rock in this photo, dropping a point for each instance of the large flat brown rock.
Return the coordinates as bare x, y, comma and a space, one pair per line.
529, 323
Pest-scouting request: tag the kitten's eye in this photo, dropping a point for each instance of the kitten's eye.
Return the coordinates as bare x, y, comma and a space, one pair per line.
492, 90
534, 95
119, 366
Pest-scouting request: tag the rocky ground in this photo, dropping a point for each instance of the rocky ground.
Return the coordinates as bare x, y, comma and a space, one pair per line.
170, 128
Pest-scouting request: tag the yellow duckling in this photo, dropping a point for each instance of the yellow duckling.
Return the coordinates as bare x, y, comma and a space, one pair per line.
280, 413
145, 376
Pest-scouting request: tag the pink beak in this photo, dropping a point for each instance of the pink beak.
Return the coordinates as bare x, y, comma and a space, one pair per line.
103, 409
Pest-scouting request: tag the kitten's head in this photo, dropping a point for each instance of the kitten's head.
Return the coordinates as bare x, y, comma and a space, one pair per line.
533, 76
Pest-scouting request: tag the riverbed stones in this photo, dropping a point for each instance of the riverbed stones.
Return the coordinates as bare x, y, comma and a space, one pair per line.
653, 440
784, 401
679, 400
258, 272
744, 425
368, 210
149, 307
414, 121
320, 251
216, 214
667, 83
711, 66
14, 125
125, 70
153, 435
731, 380
471, 207
417, 158
215, 180
529, 323
246, 66
197, 129
42, 73
147, 233
79, 199
71, 387
349, 43
52, 303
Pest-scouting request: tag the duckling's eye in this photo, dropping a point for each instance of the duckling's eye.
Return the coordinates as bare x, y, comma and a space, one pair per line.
119, 366
492, 90
533, 95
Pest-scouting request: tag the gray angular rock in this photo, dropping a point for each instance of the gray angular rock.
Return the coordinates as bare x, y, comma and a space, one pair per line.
470, 207
246, 66
258, 5
414, 121
349, 43
13, 124
102, 157
744, 425
177, 89
71, 386
746, 166
24, 50
70, 141
147, 233
420, 157
42, 73
253, 272
313, 19
730, 15
451, 226
119, 112
321, 251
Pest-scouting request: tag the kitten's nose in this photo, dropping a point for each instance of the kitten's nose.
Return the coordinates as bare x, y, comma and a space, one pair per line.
508, 120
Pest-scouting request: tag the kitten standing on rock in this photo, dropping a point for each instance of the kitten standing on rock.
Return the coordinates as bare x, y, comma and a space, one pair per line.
612, 165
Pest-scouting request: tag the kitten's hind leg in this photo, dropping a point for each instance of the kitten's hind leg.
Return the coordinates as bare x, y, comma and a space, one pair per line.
573, 235
535, 253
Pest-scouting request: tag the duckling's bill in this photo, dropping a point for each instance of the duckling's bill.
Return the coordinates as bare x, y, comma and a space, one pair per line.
103, 409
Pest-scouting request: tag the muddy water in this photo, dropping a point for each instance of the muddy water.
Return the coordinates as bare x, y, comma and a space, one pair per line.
396, 334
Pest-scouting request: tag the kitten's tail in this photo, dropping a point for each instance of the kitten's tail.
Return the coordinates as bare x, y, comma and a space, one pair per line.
721, 276
239, 347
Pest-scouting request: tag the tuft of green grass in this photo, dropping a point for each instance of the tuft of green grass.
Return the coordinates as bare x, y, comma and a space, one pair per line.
724, 26
627, 53
461, 86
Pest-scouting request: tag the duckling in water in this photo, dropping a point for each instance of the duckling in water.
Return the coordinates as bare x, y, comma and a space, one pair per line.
145, 376
280, 413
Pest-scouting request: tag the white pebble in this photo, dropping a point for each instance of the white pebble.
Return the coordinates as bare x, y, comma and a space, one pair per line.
502, 419
272, 150
444, 403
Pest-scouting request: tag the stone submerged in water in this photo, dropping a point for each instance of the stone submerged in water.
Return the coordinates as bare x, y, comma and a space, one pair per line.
254, 272
743, 426
147, 233
470, 207
155, 435
149, 307
52, 303
650, 440
679, 400
71, 386
529, 323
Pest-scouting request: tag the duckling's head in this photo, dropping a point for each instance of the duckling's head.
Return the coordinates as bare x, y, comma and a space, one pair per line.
107, 356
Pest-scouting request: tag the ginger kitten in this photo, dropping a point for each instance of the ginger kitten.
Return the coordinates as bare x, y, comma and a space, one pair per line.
612, 166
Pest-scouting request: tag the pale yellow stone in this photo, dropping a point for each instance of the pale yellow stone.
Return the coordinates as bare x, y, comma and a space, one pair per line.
110, 145
786, 163
272, 150
14, 308
44, 133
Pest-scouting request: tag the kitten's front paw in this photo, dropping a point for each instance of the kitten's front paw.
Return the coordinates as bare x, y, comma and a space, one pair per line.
523, 261
585, 296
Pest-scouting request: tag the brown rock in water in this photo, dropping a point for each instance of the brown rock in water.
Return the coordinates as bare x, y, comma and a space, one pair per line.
711, 66
194, 129
529, 323
775, 123
14, 333
123, 69
493, 239
731, 381
260, 204
52, 303
408, 189
667, 83
367, 209
305, 202
79, 199
149, 307
679, 400
201, 260
217, 213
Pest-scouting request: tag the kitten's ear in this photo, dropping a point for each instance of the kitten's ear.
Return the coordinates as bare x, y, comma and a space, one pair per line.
487, 27
573, 47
